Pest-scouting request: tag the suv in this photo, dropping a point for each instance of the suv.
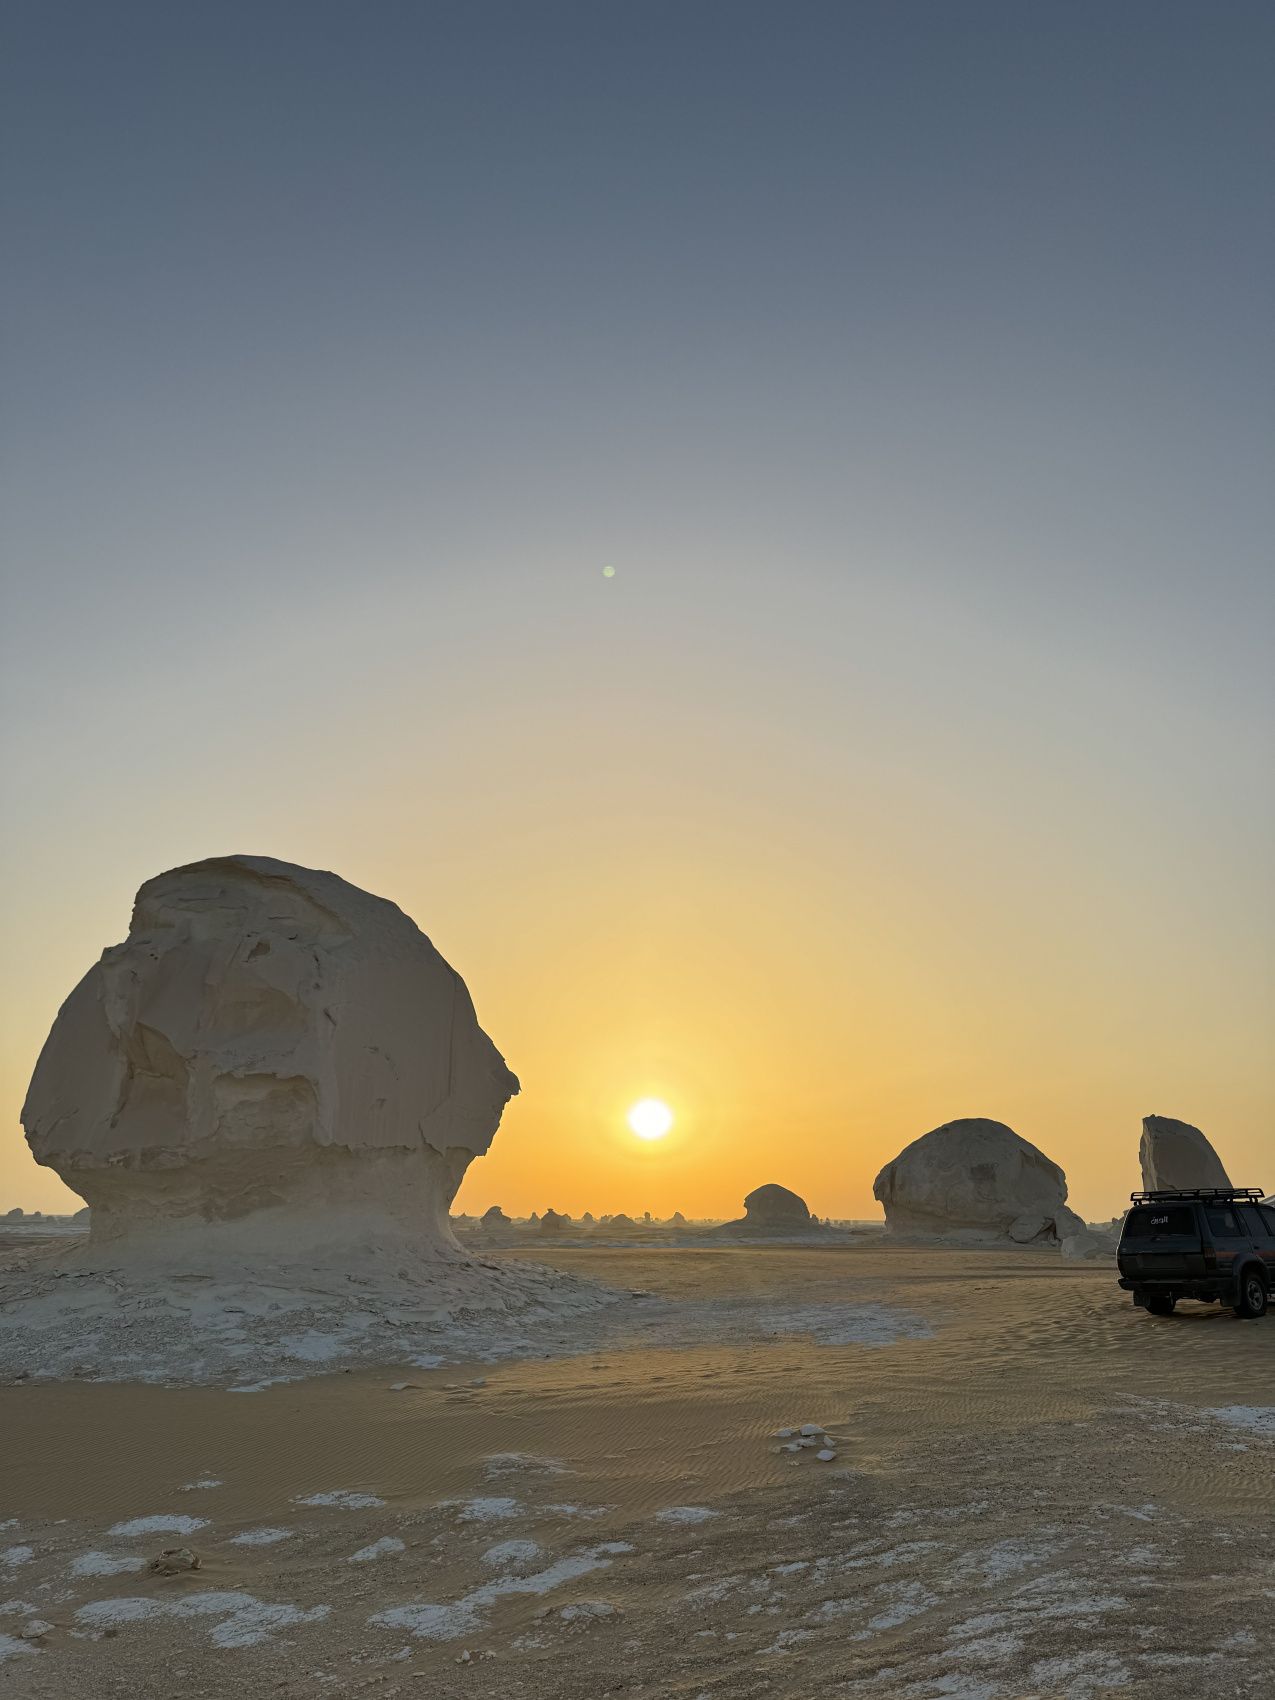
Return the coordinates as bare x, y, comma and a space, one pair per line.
1214, 1243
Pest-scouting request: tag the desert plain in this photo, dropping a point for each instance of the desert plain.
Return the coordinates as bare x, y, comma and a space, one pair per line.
1037, 1490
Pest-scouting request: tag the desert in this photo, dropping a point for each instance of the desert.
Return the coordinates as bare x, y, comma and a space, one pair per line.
1032, 1491
270, 1423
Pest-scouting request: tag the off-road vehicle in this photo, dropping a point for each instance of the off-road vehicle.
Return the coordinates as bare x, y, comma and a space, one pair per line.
1212, 1243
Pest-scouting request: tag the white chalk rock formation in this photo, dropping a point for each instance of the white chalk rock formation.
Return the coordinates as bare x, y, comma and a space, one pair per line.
273, 1062
495, 1218
1175, 1154
976, 1179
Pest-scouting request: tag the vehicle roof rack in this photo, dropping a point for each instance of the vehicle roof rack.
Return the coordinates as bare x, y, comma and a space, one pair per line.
1215, 1194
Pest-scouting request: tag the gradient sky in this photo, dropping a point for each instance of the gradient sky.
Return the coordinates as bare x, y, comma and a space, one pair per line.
912, 366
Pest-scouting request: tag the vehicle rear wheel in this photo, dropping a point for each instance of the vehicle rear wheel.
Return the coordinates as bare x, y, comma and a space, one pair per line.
1252, 1296
1161, 1305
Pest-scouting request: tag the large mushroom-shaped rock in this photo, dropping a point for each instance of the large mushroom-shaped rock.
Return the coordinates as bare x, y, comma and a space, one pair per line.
975, 1179
1175, 1155
553, 1222
273, 1063
494, 1218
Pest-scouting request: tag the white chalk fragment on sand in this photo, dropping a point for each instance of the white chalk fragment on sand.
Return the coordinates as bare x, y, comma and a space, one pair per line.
246, 1621
431, 1622
12, 1557
11, 1646
106, 1563
587, 1611
783, 1434
343, 1500
399, 1386
378, 1549
1258, 1419
511, 1555
493, 1508
809, 1429
204, 1482
685, 1514
260, 1386
161, 1525
263, 1537
479, 1381
826, 1456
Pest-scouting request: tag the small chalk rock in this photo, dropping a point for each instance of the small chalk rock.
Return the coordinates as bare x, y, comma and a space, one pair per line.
399, 1386
783, 1434
811, 1428
826, 1456
172, 1560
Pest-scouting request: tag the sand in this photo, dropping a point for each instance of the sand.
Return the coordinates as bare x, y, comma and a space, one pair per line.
1037, 1490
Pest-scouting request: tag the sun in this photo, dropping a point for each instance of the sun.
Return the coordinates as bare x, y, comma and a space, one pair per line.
651, 1118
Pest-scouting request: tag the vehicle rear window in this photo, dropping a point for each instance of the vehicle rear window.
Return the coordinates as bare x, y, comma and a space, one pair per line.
1155, 1221
1259, 1222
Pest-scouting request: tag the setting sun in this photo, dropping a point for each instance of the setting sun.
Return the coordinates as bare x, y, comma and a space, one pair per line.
650, 1119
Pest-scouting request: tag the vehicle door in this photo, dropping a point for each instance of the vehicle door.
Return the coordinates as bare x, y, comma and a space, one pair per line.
1232, 1241
1261, 1226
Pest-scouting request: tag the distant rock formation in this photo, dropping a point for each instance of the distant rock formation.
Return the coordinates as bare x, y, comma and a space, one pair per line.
677, 1219
1174, 1154
552, 1222
620, 1221
773, 1209
494, 1218
273, 1066
587, 1217
976, 1179
14, 1215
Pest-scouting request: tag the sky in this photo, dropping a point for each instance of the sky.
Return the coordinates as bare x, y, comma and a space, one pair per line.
911, 366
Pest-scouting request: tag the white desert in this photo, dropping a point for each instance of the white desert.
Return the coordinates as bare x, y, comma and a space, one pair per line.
280, 1424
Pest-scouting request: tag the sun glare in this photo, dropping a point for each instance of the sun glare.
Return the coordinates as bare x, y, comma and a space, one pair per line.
650, 1119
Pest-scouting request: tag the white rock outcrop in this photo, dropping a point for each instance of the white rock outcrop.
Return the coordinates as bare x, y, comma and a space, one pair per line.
1174, 1154
275, 1064
976, 1179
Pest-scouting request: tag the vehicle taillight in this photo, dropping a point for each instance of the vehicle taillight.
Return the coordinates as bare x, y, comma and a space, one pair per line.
1210, 1257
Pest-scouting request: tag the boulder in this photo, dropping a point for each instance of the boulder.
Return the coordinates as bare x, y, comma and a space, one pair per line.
495, 1218
274, 1063
552, 1222
1174, 1154
773, 1209
14, 1215
976, 1179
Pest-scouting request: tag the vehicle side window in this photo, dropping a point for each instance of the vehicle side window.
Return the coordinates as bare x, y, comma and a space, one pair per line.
1223, 1224
1267, 1219
1257, 1221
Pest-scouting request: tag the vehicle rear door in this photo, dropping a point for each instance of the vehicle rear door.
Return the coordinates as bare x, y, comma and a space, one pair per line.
1161, 1242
